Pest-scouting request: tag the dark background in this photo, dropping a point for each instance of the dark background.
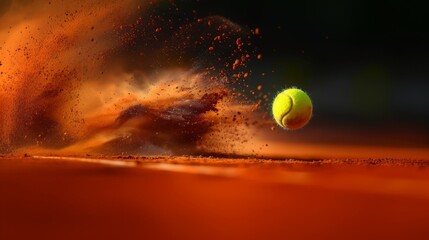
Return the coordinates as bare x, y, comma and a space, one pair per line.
362, 62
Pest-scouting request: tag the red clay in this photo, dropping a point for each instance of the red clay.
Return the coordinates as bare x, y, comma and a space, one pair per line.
207, 198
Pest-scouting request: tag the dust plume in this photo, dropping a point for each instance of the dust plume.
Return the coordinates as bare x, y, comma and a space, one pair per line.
121, 77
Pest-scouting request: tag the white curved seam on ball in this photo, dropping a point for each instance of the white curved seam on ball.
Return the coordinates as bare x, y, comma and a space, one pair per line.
286, 113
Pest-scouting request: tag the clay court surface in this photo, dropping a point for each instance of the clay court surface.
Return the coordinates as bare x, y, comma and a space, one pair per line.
128, 197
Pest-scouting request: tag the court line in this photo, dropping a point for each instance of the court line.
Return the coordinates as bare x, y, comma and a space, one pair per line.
369, 184
116, 163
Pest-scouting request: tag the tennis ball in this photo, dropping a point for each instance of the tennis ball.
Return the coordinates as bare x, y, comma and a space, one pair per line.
292, 108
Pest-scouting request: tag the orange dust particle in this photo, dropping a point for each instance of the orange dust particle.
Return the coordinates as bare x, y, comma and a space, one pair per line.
235, 64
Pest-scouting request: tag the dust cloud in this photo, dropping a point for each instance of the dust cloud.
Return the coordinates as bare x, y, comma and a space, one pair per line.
122, 77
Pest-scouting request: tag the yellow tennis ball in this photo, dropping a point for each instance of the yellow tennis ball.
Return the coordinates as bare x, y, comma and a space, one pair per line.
292, 108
